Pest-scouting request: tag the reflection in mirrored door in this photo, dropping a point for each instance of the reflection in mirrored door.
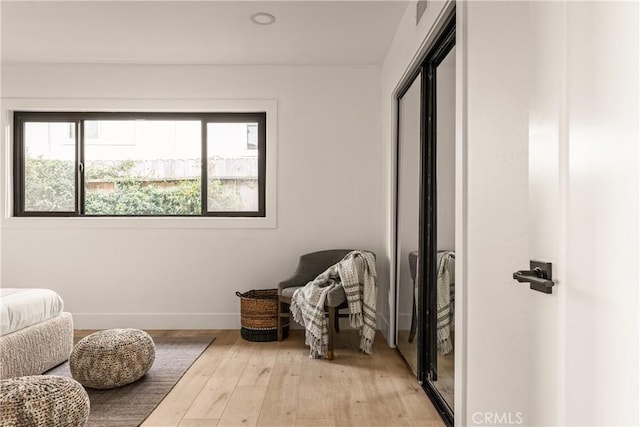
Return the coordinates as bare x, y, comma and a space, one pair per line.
445, 236
408, 210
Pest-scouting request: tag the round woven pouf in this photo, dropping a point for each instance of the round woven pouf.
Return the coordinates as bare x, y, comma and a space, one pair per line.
112, 358
43, 400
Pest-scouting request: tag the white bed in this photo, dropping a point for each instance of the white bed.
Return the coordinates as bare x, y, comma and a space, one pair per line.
35, 333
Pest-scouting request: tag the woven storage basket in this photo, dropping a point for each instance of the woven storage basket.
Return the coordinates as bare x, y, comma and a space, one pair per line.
259, 315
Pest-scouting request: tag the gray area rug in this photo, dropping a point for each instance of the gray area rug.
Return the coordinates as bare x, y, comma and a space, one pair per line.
130, 405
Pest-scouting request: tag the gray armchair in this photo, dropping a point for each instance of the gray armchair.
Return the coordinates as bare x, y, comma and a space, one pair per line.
309, 267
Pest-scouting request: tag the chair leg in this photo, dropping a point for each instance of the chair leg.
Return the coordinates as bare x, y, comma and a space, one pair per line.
337, 320
332, 320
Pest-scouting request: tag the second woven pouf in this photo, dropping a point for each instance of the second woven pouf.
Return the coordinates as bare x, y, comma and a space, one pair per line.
112, 358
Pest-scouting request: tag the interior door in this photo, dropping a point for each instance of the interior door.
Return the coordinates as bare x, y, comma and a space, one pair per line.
583, 208
553, 157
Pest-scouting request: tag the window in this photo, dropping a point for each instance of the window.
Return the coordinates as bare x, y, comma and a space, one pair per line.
139, 164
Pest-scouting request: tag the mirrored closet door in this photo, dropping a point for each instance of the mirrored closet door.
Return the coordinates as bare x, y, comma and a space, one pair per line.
425, 221
445, 154
408, 221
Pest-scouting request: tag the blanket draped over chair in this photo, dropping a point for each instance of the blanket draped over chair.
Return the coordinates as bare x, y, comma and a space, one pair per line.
357, 274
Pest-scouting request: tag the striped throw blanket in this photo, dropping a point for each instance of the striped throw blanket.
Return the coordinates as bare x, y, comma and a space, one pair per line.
444, 302
357, 274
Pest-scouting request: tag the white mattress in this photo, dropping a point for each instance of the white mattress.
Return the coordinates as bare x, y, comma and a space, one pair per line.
20, 308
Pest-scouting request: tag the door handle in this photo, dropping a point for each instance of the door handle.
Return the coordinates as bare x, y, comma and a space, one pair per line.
539, 276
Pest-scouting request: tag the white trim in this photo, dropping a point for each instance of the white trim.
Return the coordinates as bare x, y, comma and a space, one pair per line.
563, 415
392, 336
177, 321
461, 227
139, 105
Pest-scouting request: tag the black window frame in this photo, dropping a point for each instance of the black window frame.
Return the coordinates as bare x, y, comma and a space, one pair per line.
22, 117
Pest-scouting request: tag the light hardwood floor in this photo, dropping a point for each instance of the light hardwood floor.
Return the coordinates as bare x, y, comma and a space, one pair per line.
446, 371
408, 349
241, 383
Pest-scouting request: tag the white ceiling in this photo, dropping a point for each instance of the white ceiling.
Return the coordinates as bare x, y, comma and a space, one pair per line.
198, 32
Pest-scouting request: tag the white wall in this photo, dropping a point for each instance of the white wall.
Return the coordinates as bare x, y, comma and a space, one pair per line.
329, 196
498, 353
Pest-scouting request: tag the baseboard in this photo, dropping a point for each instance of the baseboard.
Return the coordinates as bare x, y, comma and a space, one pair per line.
156, 320
182, 321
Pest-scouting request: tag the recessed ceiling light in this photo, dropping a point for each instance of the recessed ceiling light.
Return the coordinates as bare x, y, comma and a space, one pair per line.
263, 18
